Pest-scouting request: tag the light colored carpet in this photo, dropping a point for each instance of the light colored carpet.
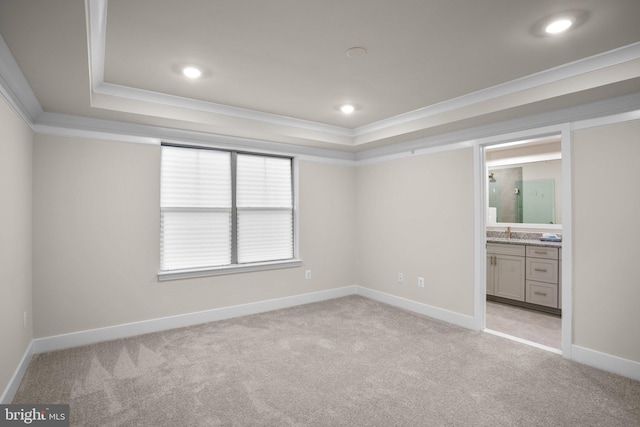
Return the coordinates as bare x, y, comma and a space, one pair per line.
344, 362
542, 328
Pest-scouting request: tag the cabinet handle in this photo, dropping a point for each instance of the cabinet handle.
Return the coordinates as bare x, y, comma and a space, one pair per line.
540, 252
540, 293
540, 269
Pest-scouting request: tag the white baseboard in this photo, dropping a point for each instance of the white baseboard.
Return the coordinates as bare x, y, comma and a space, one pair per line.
606, 362
93, 336
624, 367
418, 307
16, 379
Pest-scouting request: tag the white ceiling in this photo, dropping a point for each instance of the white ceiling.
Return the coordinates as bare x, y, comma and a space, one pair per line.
277, 69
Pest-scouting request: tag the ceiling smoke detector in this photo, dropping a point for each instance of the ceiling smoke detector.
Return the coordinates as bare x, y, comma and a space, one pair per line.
356, 52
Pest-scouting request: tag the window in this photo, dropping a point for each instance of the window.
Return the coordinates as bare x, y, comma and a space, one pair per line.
223, 211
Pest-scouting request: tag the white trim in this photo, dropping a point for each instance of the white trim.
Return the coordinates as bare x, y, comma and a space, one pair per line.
96, 19
14, 383
627, 368
567, 243
418, 151
92, 128
213, 108
606, 362
93, 336
296, 207
228, 269
606, 120
480, 233
523, 341
617, 108
97, 36
418, 307
524, 159
552, 75
96, 31
14, 87
480, 237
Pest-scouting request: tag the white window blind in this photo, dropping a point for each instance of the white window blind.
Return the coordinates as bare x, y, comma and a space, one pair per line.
195, 208
223, 208
264, 208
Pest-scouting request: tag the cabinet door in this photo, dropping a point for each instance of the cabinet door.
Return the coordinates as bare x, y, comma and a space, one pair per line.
509, 277
490, 274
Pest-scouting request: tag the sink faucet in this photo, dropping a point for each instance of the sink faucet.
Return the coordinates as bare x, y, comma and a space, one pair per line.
508, 232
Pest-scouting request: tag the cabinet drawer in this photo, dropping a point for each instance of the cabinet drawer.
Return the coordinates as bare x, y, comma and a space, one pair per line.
542, 270
542, 252
501, 249
542, 293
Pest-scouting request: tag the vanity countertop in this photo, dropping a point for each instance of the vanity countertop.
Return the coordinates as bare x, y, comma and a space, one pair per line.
528, 242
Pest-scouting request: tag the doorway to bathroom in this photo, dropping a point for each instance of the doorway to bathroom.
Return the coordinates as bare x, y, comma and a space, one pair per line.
523, 232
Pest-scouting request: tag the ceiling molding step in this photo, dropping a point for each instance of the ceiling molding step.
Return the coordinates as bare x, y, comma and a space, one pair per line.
87, 127
15, 89
96, 11
606, 120
573, 69
626, 107
126, 92
96, 17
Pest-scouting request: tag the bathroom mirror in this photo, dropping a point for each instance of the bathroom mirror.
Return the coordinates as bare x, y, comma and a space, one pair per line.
524, 183
525, 193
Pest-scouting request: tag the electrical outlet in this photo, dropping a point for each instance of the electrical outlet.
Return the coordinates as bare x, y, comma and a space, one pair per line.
307, 274
421, 282
400, 278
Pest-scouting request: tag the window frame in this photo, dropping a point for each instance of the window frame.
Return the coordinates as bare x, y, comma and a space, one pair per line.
234, 267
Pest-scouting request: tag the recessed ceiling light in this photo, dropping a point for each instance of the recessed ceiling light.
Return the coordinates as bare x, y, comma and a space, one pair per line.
347, 108
559, 23
559, 26
192, 72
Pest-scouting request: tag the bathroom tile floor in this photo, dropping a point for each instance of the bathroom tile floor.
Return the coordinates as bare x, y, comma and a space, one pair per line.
531, 325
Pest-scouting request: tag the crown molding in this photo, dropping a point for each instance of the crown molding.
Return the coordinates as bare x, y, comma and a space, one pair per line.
96, 30
14, 87
96, 11
92, 128
566, 71
136, 94
613, 110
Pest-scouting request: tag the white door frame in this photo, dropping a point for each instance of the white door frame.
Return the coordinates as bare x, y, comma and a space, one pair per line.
479, 145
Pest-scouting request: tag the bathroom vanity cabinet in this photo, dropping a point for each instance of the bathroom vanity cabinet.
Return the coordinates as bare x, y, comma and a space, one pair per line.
506, 271
524, 274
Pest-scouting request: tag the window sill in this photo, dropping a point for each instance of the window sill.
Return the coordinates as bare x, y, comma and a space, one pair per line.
227, 269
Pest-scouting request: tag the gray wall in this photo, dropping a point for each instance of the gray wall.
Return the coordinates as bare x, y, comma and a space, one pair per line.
415, 216
15, 241
606, 242
96, 243
96, 239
